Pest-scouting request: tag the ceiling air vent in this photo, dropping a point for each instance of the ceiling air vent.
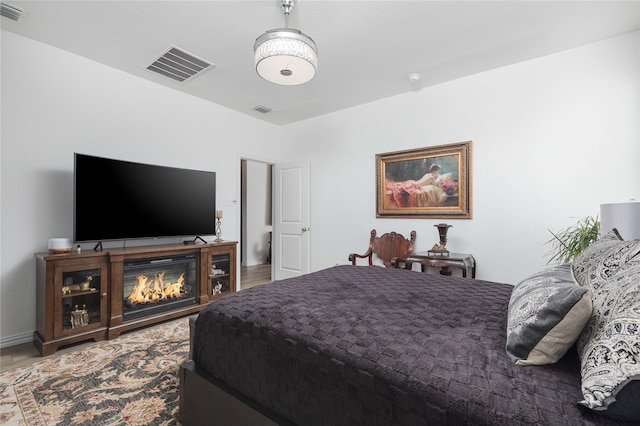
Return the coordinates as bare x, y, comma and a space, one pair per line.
12, 12
262, 109
179, 65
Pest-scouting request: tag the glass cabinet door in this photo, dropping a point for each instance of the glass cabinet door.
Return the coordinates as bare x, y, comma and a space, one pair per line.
220, 275
80, 299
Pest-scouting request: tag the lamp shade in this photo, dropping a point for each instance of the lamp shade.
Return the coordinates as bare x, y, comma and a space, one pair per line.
286, 56
625, 217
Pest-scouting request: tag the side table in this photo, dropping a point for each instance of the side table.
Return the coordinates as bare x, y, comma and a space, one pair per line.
463, 261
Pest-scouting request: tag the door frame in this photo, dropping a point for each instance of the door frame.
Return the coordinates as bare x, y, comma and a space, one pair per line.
256, 158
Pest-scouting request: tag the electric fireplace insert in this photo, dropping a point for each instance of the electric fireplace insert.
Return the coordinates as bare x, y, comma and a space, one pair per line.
155, 285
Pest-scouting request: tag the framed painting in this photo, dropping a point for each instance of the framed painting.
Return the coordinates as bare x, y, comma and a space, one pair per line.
432, 182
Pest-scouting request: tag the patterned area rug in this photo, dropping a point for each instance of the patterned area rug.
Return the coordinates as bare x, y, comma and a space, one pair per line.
131, 380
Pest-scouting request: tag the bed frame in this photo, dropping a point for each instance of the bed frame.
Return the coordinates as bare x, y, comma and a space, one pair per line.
203, 399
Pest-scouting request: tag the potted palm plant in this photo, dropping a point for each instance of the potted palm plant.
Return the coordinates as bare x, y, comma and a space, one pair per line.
571, 241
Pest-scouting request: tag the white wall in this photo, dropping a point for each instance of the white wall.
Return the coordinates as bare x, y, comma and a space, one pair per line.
55, 103
256, 223
552, 139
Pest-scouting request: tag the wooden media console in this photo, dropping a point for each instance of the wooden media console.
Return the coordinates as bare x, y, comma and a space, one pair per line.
100, 294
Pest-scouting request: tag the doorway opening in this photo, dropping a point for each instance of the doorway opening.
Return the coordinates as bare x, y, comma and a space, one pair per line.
256, 227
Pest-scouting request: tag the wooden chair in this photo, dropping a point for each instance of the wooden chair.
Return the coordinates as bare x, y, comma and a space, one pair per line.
387, 247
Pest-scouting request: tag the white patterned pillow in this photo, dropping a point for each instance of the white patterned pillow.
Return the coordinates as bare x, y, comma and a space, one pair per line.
598, 255
547, 312
609, 346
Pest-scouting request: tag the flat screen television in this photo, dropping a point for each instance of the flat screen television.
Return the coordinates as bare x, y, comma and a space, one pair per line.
122, 200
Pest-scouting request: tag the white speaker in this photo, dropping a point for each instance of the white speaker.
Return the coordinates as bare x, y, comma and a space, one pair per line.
60, 245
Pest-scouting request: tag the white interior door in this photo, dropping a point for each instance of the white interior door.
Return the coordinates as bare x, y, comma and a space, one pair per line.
291, 221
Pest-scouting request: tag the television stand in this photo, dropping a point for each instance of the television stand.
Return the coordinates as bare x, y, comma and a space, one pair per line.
194, 240
88, 295
98, 245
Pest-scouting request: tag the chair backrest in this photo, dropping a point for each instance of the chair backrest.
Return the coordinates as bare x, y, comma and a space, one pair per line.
386, 247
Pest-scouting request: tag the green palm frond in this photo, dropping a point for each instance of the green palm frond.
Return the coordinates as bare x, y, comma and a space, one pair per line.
570, 242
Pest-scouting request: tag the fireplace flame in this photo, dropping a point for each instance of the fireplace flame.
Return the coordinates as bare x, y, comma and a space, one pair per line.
151, 291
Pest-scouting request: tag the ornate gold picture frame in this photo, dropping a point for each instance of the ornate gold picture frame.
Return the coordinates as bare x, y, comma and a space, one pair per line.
432, 182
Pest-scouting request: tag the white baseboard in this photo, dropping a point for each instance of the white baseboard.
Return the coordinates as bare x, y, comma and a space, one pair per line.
17, 339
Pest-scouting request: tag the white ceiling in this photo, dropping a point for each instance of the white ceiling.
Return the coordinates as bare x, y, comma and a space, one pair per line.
366, 48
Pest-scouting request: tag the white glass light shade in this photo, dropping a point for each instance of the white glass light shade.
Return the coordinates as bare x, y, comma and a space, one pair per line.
625, 217
286, 56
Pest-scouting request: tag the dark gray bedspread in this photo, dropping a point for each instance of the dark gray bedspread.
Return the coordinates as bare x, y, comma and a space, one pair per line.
360, 345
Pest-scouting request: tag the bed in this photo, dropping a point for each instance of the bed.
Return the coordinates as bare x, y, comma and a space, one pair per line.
361, 345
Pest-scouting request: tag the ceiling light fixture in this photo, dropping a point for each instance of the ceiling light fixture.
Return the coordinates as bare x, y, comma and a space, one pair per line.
286, 56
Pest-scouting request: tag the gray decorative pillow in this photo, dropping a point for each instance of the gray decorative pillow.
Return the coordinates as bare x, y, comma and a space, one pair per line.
609, 346
547, 312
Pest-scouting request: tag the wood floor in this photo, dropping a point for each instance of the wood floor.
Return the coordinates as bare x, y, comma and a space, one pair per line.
26, 354
251, 276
